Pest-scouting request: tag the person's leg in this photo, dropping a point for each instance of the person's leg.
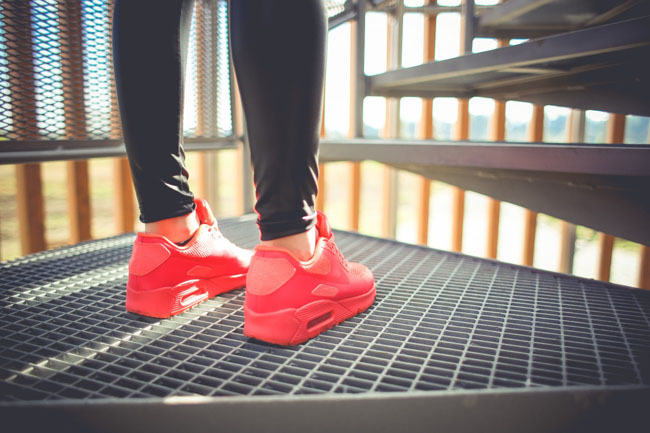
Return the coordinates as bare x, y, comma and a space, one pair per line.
182, 259
279, 56
299, 284
150, 40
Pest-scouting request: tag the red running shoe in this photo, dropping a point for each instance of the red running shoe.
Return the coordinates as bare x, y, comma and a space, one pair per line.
166, 279
289, 301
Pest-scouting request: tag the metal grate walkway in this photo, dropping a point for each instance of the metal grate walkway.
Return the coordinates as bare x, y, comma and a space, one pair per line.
441, 321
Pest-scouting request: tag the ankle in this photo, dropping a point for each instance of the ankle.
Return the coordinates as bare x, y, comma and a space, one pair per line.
176, 229
301, 245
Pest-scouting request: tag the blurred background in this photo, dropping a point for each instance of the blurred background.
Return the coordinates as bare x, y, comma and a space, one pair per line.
626, 254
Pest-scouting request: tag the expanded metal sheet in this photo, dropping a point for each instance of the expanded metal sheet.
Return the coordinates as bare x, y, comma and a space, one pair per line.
56, 77
441, 321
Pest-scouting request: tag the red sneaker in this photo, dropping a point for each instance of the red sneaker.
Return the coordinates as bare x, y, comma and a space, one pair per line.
166, 279
289, 301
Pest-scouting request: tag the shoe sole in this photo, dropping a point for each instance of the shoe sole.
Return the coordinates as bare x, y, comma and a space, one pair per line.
166, 302
297, 325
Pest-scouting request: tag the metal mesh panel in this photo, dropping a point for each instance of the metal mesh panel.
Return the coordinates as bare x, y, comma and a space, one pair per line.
335, 7
56, 71
441, 321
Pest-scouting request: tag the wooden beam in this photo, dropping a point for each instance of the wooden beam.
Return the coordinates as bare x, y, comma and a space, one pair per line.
530, 229
644, 268
31, 215
123, 196
78, 200
355, 195
461, 133
606, 247
494, 214
72, 75
615, 135
567, 247
17, 22
535, 134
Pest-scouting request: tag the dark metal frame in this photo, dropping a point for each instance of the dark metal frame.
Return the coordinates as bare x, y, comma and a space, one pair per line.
536, 71
576, 409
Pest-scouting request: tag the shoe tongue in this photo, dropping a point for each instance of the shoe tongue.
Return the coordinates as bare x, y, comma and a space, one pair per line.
322, 225
204, 212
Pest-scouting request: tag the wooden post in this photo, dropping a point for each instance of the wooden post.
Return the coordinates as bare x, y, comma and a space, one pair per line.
461, 133
606, 247
615, 135
535, 134
70, 16
31, 215
78, 200
644, 268
17, 21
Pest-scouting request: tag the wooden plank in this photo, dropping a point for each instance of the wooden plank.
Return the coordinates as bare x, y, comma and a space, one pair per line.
530, 229
535, 134
616, 129
644, 268
494, 214
567, 247
355, 195
79, 211
615, 135
606, 247
123, 196
424, 203
72, 76
31, 215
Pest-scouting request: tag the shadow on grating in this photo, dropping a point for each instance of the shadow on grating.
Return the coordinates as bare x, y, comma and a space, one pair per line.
441, 321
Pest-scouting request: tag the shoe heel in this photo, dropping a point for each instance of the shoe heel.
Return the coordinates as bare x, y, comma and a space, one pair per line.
294, 326
170, 301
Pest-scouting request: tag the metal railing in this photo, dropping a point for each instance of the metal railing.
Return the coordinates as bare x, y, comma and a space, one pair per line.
57, 102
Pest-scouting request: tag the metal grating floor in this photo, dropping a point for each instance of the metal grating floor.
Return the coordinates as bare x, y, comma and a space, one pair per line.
441, 321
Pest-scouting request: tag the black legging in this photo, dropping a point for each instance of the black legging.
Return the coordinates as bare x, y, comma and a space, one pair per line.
278, 49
